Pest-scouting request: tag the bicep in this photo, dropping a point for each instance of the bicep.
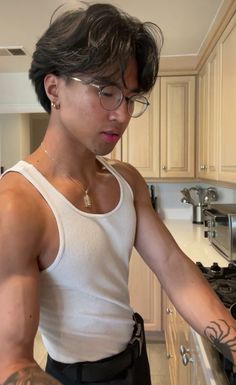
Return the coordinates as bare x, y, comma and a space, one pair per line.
19, 287
19, 304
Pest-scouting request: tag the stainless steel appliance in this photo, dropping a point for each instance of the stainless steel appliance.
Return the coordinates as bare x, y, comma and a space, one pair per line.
223, 281
199, 198
220, 220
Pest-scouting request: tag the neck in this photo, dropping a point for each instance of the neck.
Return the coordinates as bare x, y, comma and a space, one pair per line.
79, 184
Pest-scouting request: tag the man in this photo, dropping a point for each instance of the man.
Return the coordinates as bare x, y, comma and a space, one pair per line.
69, 218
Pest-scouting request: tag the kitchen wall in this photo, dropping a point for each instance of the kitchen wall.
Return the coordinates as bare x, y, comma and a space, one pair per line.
169, 203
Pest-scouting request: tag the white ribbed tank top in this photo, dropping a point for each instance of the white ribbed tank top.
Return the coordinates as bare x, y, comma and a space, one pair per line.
85, 313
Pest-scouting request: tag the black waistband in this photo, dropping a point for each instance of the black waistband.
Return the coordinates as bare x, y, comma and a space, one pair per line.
107, 368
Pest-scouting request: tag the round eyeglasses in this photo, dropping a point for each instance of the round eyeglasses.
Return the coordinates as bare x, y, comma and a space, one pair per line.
111, 98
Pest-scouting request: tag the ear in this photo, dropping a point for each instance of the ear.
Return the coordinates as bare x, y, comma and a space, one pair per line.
51, 83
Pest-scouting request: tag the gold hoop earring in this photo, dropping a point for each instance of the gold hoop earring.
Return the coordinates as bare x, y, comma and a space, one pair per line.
54, 105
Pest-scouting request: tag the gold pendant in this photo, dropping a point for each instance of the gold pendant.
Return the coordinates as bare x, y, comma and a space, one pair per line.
87, 200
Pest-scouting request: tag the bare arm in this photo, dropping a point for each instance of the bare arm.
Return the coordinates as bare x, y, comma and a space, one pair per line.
185, 285
19, 291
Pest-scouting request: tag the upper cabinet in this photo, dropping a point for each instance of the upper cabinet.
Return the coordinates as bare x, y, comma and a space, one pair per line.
208, 119
161, 142
140, 142
216, 135
227, 102
177, 143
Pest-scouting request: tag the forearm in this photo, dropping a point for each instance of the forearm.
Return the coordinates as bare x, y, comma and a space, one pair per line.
202, 309
222, 335
31, 375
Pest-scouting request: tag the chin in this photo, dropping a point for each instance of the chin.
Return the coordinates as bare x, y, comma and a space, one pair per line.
102, 152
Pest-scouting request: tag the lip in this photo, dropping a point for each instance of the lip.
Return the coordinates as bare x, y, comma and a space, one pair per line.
110, 137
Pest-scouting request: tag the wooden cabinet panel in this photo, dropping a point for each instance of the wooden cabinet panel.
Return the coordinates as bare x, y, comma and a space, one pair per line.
192, 359
202, 140
208, 119
213, 117
140, 142
227, 132
177, 126
177, 341
145, 293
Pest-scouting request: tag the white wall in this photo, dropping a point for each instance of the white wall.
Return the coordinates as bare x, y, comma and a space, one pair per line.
169, 198
17, 94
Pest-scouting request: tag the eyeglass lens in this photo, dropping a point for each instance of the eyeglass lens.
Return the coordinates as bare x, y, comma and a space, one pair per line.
111, 98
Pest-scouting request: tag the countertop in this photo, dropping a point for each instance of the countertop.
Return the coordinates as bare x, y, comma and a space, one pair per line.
190, 238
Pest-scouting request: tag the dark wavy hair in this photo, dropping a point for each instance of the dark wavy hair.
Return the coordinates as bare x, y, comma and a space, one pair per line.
97, 41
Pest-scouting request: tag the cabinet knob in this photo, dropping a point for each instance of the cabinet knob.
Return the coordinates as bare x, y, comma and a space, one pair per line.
164, 168
183, 350
169, 356
186, 359
168, 310
203, 167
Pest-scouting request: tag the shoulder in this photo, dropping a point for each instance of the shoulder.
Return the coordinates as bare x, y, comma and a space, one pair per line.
132, 176
20, 214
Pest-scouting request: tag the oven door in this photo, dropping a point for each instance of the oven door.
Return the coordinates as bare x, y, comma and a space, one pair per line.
219, 232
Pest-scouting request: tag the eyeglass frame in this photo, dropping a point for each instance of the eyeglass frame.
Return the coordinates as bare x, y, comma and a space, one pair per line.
100, 89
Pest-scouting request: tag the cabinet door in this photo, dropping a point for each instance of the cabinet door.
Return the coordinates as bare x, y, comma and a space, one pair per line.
213, 116
208, 120
177, 344
227, 134
145, 293
202, 132
177, 126
140, 142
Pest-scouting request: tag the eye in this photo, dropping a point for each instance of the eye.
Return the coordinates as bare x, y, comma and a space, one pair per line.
109, 91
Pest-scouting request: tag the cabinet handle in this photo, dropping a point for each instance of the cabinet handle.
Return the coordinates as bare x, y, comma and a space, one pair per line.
183, 350
164, 168
203, 167
169, 311
186, 359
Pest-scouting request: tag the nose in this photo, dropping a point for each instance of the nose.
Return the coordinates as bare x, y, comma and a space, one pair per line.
121, 113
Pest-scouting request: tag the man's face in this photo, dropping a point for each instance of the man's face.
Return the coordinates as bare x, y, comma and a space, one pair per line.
82, 116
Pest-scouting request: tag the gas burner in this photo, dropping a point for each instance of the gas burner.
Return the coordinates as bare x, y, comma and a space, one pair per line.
225, 289
222, 280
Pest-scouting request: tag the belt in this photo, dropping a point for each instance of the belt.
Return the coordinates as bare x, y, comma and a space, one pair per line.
107, 368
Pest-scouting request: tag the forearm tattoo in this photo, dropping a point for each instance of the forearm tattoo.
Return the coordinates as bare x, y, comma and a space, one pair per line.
222, 336
30, 376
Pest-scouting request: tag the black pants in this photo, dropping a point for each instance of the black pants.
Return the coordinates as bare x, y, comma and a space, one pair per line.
138, 373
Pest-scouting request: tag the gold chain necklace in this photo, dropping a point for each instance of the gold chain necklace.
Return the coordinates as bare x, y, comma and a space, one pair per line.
86, 197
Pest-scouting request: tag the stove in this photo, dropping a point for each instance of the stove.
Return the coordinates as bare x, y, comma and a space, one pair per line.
223, 281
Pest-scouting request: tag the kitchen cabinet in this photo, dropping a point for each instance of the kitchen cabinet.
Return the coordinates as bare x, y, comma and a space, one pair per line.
192, 360
227, 132
170, 117
177, 345
208, 118
177, 143
140, 142
217, 113
145, 293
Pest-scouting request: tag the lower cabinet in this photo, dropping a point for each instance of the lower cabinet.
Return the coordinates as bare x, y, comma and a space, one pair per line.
177, 346
145, 293
192, 359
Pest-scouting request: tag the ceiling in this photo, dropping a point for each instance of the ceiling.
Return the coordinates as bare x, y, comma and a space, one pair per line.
185, 24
